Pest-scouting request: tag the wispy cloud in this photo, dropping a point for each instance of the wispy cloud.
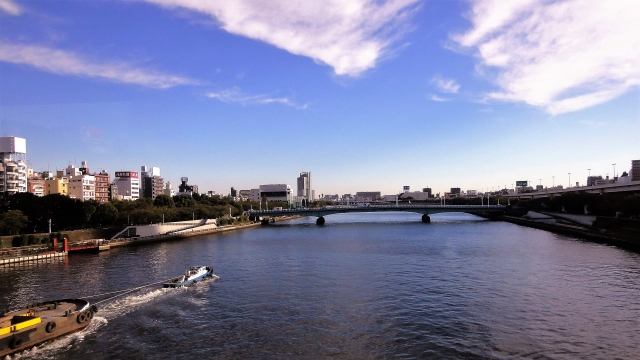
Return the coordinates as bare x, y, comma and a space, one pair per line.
446, 85
235, 95
10, 7
349, 36
564, 56
438, 98
69, 63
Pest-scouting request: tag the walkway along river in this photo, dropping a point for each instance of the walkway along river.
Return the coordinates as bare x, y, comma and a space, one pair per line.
362, 286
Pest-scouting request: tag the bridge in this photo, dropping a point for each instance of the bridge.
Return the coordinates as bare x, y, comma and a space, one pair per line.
425, 210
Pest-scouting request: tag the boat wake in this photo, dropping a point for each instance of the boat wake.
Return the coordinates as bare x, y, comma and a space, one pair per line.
110, 311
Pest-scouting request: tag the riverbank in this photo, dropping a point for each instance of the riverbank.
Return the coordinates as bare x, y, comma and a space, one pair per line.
21, 255
603, 236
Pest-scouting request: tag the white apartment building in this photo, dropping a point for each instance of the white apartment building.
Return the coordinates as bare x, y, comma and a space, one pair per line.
13, 164
82, 187
128, 184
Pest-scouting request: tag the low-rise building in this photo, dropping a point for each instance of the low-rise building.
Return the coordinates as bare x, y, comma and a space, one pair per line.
415, 195
58, 185
82, 187
168, 190
276, 192
364, 196
255, 195
36, 187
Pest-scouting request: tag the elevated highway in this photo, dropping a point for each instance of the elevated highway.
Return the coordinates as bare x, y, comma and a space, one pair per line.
425, 210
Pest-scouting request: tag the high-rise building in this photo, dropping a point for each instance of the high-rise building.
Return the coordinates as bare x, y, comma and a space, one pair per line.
13, 166
185, 189
81, 185
151, 184
304, 186
128, 184
635, 170
455, 191
103, 180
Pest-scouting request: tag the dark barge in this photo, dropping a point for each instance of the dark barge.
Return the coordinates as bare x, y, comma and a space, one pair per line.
34, 324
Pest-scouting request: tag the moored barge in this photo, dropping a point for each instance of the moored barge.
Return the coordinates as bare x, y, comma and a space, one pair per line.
34, 324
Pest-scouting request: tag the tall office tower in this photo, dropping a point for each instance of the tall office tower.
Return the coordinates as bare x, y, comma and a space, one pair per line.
304, 186
13, 164
151, 184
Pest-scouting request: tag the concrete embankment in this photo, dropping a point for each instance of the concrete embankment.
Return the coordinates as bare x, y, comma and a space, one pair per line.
25, 255
604, 236
184, 234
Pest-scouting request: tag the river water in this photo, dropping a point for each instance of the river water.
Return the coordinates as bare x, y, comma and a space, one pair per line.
363, 286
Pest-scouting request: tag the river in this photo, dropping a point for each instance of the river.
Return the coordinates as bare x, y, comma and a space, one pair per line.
375, 285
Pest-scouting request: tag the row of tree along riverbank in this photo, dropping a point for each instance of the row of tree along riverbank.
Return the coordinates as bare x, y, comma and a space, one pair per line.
25, 213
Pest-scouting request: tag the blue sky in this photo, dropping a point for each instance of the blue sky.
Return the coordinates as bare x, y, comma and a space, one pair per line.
367, 95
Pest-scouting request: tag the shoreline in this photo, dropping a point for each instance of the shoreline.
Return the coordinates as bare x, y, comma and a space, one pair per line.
122, 242
161, 238
601, 237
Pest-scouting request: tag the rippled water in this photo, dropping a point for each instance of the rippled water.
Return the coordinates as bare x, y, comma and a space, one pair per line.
363, 286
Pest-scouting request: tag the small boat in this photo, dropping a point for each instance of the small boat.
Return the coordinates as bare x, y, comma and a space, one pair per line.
34, 324
191, 276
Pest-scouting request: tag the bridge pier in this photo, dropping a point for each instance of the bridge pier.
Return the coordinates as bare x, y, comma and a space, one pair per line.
426, 219
320, 221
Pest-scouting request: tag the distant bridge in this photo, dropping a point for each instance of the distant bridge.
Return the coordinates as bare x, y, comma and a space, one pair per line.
425, 210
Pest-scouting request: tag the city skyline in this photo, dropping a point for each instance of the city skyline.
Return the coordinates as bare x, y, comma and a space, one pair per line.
419, 93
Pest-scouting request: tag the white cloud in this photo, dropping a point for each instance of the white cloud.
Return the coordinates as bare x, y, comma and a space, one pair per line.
349, 36
10, 7
438, 98
564, 56
446, 85
69, 63
235, 95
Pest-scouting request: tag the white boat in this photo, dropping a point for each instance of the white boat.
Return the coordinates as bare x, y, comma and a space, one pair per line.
191, 276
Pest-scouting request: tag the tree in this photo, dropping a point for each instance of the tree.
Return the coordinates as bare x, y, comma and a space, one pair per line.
105, 214
13, 221
164, 201
184, 201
